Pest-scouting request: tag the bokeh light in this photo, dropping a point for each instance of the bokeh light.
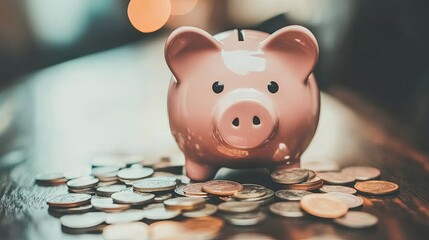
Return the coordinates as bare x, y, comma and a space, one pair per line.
149, 15
181, 7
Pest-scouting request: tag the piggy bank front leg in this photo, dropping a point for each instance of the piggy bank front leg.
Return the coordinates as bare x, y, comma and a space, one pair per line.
199, 172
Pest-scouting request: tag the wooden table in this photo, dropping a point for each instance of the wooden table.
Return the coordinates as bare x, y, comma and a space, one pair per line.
115, 101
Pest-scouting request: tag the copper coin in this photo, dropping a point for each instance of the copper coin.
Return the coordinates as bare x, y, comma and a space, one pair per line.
291, 195
336, 178
376, 187
323, 206
222, 187
251, 191
350, 200
290, 176
362, 173
194, 189
355, 219
69, 200
179, 191
308, 185
337, 188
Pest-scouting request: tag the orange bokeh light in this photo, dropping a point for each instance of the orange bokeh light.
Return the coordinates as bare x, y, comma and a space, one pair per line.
149, 15
181, 7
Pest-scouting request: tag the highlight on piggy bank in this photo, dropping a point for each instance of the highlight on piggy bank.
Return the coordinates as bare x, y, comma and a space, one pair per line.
242, 99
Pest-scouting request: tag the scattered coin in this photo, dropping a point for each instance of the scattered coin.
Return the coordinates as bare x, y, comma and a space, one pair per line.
168, 230
50, 178
222, 187
72, 210
105, 161
238, 207
355, 219
106, 204
184, 203
250, 236
102, 171
291, 195
323, 205
350, 200
376, 187
308, 185
337, 188
290, 176
159, 212
107, 191
150, 185
251, 191
83, 182
135, 173
69, 200
194, 189
361, 173
268, 194
132, 198
208, 210
128, 231
245, 219
336, 178
203, 227
89, 191
85, 220
130, 215
287, 209
161, 197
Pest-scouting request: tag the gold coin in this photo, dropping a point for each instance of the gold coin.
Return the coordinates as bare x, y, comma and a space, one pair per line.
323, 206
69, 200
290, 176
376, 187
362, 173
336, 178
222, 187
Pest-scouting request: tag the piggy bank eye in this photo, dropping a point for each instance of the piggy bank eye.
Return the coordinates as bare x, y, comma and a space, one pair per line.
217, 87
273, 87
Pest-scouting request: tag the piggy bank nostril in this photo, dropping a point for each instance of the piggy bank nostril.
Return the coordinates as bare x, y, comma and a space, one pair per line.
236, 122
256, 120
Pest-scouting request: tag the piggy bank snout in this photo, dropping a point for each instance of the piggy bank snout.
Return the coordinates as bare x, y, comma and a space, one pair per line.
245, 123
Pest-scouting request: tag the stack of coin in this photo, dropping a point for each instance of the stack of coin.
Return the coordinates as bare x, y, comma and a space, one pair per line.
106, 174
297, 179
70, 203
83, 185
50, 179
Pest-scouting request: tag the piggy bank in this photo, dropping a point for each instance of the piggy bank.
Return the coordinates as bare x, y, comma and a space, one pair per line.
242, 99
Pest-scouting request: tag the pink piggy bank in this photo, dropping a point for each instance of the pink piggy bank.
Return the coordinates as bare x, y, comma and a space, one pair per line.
242, 99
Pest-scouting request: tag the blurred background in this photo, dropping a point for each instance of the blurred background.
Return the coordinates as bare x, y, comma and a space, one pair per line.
375, 49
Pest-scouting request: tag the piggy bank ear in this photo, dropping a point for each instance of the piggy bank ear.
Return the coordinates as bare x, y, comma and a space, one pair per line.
184, 47
296, 47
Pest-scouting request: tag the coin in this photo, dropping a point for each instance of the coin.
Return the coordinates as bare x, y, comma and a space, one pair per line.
85, 220
130, 215
106, 204
53, 178
194, 189
150, 185
376, 187
350, 200
83, 182
308, 185
355, 219
69, 200
179, 191
72, 210
134, 173
336, 178
208, 210
161, 197
128, 231
287, 209
222, 187
132, 198
290, 176
362, 173
245, 219
323, 205
159, 212
269, 194
184, 203
251, 191
164, 230
337, 188
291, 195
238, 207
107, 191
203, 227
102, 171
250, 236
106, 161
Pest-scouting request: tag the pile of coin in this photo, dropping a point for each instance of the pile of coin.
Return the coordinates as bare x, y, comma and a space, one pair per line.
133, 199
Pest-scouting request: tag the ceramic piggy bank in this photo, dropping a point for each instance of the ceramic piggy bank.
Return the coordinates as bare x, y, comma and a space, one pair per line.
242, 99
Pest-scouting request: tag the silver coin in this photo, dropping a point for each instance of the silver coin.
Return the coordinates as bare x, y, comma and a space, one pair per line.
287, 209
290, 176
355, 219
89, 191
337, 188
135, 173
238, 207
132, 198
85, 220
291, 195
150, 185
250, 191
73, 210
350, 200
107, 191
107, 205
128, 231
245, 219
208, 210
69, 200
268, 195
336, 178
50, 178
159, 212
83, 182
131, 215
102, 171
161, 197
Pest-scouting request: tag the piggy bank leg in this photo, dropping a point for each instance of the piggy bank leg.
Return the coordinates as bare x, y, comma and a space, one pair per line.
199, 172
